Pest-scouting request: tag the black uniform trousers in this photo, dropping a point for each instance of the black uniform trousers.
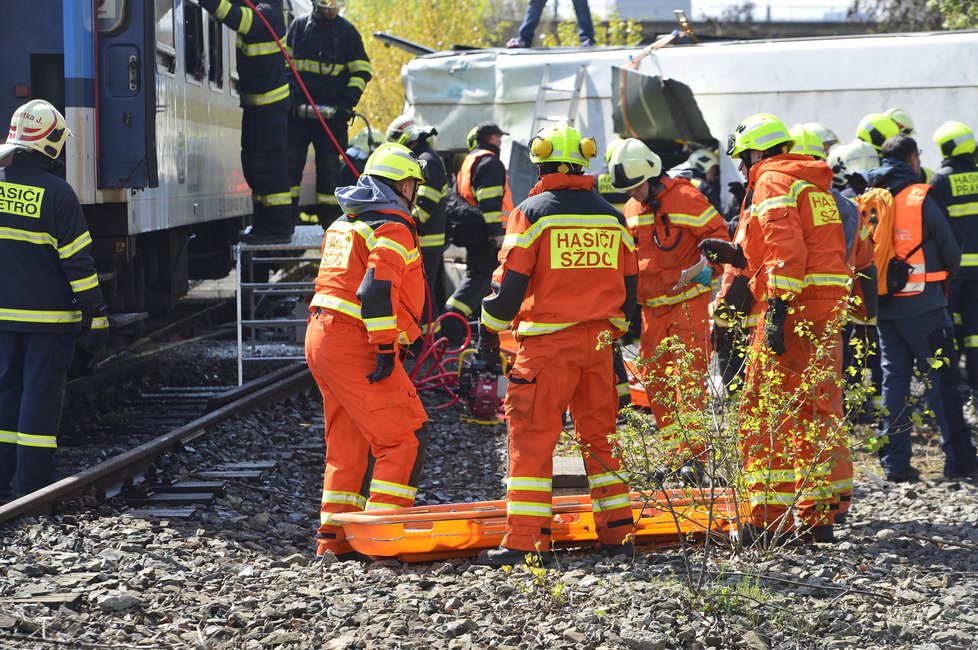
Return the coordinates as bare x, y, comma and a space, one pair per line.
33, 373
264, 157
302, 133
963, 299
480, 262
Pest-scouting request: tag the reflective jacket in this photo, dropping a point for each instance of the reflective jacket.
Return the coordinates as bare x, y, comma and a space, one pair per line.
371, 267
482, 182
261, 66
429, 212
861, 257
668, 237
956, 190
795, 247
577, 255
908, 237
50, 283
734, 301
329, 55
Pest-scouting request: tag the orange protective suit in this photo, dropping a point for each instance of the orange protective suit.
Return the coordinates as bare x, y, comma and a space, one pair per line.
369, 295
795, 249
667, 240
563, 280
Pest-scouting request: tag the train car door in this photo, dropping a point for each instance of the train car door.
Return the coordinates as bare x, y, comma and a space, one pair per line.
126, 94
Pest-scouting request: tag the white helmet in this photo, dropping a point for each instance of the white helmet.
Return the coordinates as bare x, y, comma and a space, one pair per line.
399, 126
632, 164
416, 133
902, 119
856, 157
824, 133
39, 126
328, 4
702, 160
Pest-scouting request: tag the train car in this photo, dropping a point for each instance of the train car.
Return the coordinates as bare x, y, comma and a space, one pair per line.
149, 90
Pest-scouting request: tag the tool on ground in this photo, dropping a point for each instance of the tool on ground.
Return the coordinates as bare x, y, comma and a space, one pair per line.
481, 387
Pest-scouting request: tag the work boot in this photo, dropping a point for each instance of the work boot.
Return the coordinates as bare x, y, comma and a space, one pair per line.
659, 475
824, 534
841, 518
262, 238
515, 42
612, 550
907, 475
503, 556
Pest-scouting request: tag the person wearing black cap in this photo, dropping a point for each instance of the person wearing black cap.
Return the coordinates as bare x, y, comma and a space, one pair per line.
482, 183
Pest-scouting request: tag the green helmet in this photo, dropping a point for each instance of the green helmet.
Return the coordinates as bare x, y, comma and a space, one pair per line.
471, 140
395, 162
562, 143
807, 142
759, 132
902, 119
366, 140
875, 128
954, 139
632, 164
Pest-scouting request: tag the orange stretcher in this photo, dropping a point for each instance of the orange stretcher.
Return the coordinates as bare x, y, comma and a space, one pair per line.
428, 533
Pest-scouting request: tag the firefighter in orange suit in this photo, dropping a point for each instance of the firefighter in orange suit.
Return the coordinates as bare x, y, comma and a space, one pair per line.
794, 251
367, 306
671, 218
567, 274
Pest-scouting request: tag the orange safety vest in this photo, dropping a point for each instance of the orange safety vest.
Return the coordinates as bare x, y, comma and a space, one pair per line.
908, 234
464, 182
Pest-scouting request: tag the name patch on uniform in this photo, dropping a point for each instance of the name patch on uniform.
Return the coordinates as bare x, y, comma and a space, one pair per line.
337, 247
824, 209
584, 248
962, 184
22, 200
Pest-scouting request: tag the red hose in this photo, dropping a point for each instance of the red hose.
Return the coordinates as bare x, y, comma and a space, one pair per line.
305, 91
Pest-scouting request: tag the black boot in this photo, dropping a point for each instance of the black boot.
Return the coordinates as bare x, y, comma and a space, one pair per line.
503, 556
612, 550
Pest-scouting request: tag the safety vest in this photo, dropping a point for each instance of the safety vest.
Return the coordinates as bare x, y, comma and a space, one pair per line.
474, 195
908, 235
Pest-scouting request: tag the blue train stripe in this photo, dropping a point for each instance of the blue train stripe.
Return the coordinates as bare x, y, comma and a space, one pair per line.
79, 41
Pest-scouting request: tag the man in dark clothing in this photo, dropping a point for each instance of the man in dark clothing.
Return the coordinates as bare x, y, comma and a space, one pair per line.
51, 293
328, 53
956, 190
914, 325
264, 122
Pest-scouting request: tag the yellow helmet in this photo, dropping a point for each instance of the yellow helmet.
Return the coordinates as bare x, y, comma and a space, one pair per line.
398, 127
807, 142
562, 143
903, 120
39, 126
632, 164
471, 140
954, 139
875, 128
759, 132
394, 162
367, 139
824, 133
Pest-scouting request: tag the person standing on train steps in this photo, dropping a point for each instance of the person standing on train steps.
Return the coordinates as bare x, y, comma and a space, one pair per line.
51, 293
366, 311
328, 54
567, 278
264, 93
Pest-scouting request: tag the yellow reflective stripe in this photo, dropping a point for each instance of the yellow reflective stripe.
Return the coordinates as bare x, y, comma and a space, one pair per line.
785, 283
432, 241
752, 320
770, 476
373, 505
526, 238
280, 198
645, 219
816, 492
403, 339
827, 280
263, 99
326, 199
611, 503
407, 255
789, 199
431, 193
393, 489
336, 304
356, 82
971, 341
619, 323
345, 498
318, 67
84, 284
864, 232
963, 209
529, 483
956, 317
458, 305
772, 498
843, 485
529, 509
969, 259
9, 437
247, 16
257, 49
602, 480
380, 323
527, 328
32, 316
360, 65
420, 214
30, 237
493, 323
69, 249
222, 10
694, 220
692, 292
493, 217
623, 389
32, 440
294, 191
488, 192
360, 228
100, 323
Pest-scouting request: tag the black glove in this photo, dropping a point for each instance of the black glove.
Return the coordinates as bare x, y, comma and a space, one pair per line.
487, 348
777, 314
343, 114
738, 190
385, 363
720, 251
97, 336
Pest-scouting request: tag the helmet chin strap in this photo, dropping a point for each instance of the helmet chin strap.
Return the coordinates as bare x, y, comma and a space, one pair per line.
410, 201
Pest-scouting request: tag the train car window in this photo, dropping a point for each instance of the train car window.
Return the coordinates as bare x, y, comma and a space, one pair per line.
215, 53
193, 42
111, 15
166, 45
